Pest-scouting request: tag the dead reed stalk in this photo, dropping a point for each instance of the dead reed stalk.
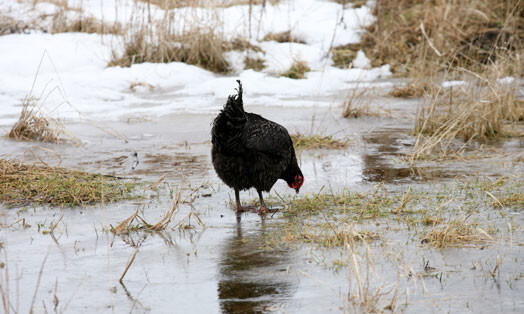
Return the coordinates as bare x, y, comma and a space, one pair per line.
419, 35
136, 222
484, 108
457, 232
175, 38
32, 125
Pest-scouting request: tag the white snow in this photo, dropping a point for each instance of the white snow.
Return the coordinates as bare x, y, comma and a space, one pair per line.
74, 80
361, 61
447, 84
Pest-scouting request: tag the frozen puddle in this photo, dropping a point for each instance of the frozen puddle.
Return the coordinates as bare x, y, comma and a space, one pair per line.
227, 265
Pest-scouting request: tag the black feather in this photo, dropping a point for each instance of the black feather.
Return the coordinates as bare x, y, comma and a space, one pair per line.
249, 150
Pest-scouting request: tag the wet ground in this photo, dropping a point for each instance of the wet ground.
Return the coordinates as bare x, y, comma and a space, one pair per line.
223, 263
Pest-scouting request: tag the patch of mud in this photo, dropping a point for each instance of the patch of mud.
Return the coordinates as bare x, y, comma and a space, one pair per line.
394, 144
176, 164
376, 170
173, 165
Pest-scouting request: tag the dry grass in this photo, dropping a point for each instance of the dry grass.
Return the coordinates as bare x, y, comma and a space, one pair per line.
512, 199
419, 35
336, 237
136, 222
481, 110
283, 37
456, 233
343, 56
201, 47
72, 19
241, 44
181, 36
9, 25
172, 4
61, 23
32, 125
354, 3
368, 291
23, 184
355, 105
256, 64
367, 205
414, 89
316, 141
297, 70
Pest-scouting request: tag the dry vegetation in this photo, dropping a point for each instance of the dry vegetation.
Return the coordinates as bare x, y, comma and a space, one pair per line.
24, 184
413, 89
355, 105
32, 125
297, 70
62, 23
283, 37
443, 217
343, 56
332, 236
353, 3
257, 64
202, 47
301, 141
420, 35
484, 111
172, 4
182, 37
9, 25
479, 42
136, 222
72, 19
456, 232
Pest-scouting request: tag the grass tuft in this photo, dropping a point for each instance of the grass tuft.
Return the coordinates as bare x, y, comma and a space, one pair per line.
256, 64
297, 70
173, 4
456, 233
301, 141
32, 125
482, 110
61, 23
332, 237
355, 105
413, 89
135, 222
283, 37
417, 35
343, 56
23, 184
201, 47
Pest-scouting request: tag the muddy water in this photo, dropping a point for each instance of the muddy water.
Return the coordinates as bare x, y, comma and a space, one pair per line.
226, 265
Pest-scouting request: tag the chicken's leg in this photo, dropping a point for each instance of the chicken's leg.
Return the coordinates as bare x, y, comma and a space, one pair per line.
263, 207
239, 207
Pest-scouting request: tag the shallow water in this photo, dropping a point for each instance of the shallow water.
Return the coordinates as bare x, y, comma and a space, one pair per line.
226, 265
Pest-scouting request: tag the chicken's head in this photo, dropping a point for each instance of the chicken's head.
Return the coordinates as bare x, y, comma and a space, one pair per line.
297, 182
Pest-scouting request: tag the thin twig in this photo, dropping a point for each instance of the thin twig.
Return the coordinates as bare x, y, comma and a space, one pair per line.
128, 265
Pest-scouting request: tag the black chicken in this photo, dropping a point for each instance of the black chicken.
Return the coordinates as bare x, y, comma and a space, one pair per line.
250, 151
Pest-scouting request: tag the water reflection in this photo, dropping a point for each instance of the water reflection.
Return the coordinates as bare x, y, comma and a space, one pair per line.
253, 279
389, 144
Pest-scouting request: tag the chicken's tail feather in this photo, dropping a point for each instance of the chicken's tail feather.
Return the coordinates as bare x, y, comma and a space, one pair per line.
234, 107
228, 125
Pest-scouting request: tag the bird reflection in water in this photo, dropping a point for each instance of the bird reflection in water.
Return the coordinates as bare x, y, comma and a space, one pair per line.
253, 279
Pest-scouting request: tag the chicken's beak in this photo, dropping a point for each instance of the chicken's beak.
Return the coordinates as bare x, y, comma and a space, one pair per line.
297, 189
